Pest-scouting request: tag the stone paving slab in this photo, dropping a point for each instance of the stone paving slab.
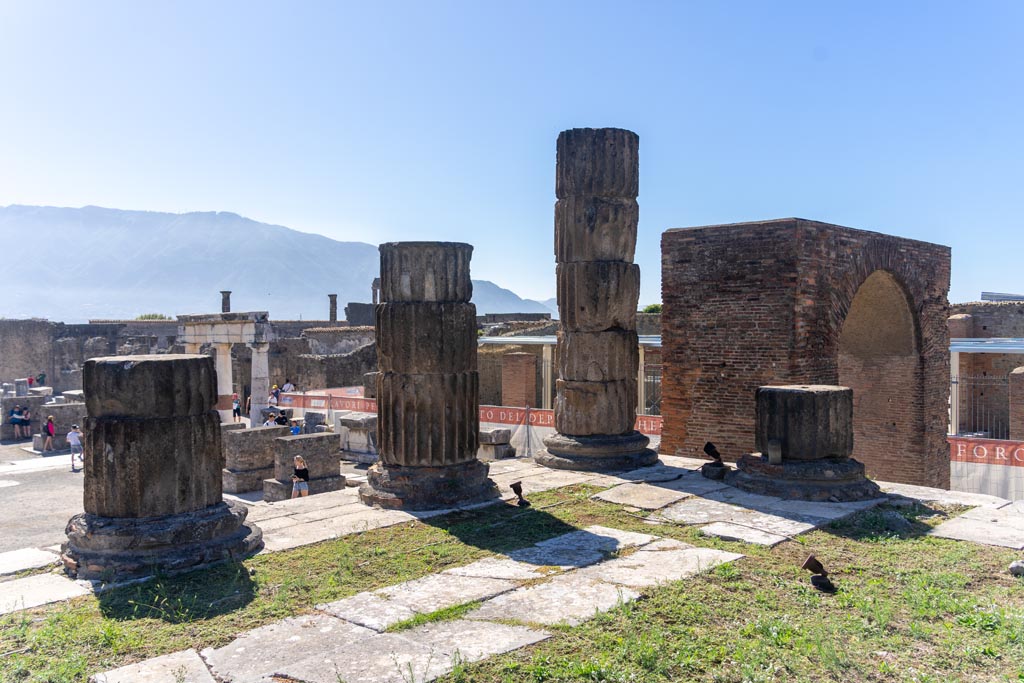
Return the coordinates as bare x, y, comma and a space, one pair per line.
474, 640
438, 591
328, 513
39, 589
16, 561
178, 667
579, 548
566, 599
942, 496
274, 648
656, 472
641, 495
829, 511
653, 566
500, 568
728, 531
384, 658
508, 465
988, 526
544, 480
751, 501
299, 534
370, 610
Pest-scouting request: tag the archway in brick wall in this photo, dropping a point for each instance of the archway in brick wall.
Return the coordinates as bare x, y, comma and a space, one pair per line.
879, 358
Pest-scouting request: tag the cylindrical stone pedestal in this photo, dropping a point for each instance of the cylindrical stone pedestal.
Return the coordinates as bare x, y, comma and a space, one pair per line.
427, 387
812, 427
153, 466
598, 286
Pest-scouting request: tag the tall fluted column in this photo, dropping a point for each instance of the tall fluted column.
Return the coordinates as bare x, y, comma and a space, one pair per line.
152, 493
225, 301
333, 310
428, 401
596, 215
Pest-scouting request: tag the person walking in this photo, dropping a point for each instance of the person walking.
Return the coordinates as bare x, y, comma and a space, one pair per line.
75, 441
300, 478
49, 429
236, 408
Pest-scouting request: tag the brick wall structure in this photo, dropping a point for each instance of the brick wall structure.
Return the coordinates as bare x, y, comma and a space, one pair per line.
1017, 404
519, 380
793, 301
984, 394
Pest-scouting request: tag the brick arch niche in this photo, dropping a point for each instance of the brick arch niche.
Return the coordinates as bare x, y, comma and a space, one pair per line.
794, 301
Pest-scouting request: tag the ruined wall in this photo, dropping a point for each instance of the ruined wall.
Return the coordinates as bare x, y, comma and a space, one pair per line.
489, 365
648, 323
325, 341
26, 348
766, 303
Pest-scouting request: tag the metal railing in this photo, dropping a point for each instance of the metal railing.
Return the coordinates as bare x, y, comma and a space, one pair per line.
979, 406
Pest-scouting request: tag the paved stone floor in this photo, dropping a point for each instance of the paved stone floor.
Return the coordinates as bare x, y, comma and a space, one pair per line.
561, 580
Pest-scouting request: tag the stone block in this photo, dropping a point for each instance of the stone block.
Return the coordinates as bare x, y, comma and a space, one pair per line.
601, 162
495, 435
232, 426
40, 391
597, 296
149, 386
181, 667
74, 396
359, 433
425, 271
595, 229
21, 387
810, 421
56, 400
249, 457
428, 419
312, 420
426, 337
495, 451
598, 356
323, 460
148, 468
594, 408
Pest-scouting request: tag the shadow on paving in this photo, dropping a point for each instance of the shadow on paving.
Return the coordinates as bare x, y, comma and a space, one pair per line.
883, 522
197, 595
502, 527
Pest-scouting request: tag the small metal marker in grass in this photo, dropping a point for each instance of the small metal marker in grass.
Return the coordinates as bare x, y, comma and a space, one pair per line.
819, 576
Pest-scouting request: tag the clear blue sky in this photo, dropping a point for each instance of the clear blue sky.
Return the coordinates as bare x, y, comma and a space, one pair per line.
437, 120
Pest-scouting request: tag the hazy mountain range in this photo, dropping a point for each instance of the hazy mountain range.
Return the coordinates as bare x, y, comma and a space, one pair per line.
95, 263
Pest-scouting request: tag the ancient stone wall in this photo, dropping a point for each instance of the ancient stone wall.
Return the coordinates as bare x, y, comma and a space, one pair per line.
26, 348
322, 454
249, 457
768, 303
324, 341
648, 323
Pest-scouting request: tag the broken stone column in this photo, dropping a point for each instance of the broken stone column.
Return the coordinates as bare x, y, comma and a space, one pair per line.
225, 301
428, 387
596, 215
805, 437
153, 472
333, 311
225, 380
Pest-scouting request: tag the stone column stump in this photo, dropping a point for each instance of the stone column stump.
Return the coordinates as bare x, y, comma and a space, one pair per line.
427, 390
153, 472
812, 427
596, 183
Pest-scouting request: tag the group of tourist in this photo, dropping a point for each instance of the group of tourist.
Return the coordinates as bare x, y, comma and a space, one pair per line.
21, 418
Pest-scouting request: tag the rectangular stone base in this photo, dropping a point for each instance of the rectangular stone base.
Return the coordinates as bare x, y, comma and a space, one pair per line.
362, 458
274, 490
243, 481
495, 451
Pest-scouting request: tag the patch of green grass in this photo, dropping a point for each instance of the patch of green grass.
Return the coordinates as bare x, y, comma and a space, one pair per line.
446, 614
909, 607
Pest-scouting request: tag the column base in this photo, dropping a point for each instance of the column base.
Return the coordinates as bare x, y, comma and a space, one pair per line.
112, 549
837, 480
597, 453
427, 488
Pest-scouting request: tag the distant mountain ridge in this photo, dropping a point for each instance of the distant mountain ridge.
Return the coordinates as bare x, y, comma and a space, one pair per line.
73, 264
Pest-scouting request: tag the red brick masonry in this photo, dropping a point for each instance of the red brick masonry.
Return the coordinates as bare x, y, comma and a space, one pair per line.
752, 304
